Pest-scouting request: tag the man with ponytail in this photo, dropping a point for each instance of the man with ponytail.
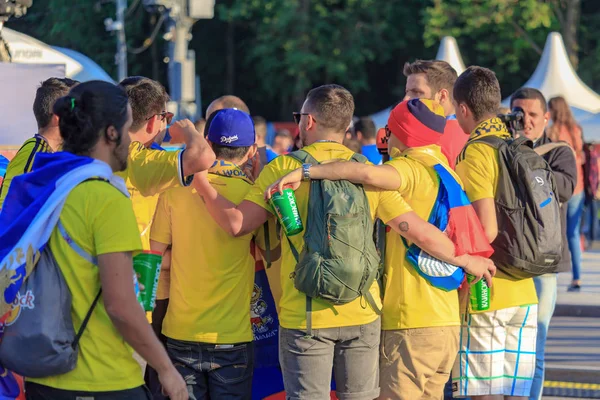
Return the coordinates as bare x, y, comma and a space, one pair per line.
74, 202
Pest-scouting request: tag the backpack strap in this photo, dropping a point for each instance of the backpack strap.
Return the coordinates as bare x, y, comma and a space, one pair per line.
89, 258
308, 299
86, 320
359, 158
304, 157
380, 240
548, 147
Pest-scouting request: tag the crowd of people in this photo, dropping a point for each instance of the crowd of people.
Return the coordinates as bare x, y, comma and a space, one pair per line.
434, 200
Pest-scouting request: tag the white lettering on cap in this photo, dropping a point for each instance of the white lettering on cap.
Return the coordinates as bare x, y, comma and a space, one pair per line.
229, 139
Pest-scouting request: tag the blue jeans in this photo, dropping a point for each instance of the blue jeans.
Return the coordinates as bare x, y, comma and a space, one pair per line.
590, 220
36, 391
545, 287
212, 371
574, 211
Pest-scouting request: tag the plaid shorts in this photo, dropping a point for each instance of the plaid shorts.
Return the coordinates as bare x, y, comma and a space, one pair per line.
496, 353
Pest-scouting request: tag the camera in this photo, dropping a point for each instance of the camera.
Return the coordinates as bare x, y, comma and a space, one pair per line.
514, 121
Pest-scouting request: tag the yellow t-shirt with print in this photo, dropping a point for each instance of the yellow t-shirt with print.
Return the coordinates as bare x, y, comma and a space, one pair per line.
23, 161
410, 301
478, 167
99, 218
212, 273
385, 205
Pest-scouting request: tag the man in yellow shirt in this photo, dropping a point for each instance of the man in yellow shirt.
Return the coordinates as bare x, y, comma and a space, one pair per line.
48, 139
345, 337
98, 219
420, 322
212, 274
497, 354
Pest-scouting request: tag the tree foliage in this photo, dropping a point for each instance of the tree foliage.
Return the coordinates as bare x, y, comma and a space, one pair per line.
271, 52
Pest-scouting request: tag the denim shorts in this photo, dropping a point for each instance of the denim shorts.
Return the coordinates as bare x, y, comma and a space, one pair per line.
352, 352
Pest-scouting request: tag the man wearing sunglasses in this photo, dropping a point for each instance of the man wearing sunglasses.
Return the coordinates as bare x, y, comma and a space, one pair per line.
150, 171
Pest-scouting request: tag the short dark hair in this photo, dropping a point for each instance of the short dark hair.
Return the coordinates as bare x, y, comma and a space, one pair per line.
147, 98
333, 106
46, 95
260, 126
366, 126
229, 153
479, 89
87, 111
527, 93
440, 75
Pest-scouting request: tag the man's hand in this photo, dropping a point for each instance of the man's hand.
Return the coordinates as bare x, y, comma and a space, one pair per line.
173, 385
252, 167
479, 267
293, 178
179, 128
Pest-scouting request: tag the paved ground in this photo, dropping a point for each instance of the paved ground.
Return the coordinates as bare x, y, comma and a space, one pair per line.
573, 347
586, 302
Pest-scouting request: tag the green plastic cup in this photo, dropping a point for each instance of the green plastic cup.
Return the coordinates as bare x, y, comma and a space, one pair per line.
147, 266
479, 295
286, 208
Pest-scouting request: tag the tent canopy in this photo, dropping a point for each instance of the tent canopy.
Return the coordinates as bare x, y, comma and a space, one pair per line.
555, 76
449, 52
27, 50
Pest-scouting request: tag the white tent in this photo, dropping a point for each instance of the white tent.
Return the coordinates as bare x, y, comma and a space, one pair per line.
27, 50
555, 76
449, 52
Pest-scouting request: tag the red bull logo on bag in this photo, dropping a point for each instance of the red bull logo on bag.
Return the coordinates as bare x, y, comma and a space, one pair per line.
22, 301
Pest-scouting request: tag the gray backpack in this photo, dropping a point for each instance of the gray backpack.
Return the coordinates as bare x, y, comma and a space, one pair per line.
39, 339
529, 241
339, 261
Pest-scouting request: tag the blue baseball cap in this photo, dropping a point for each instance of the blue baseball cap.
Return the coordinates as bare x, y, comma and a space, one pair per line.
231, 127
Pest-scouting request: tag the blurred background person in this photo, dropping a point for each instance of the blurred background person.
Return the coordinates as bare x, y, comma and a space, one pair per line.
265, 152
354, 145
283, 142
564, 128
366, 134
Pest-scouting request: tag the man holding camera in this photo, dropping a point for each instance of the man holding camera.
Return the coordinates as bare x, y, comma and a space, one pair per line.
562, 161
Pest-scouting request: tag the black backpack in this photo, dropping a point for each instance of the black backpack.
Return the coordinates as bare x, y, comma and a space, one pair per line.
529, 241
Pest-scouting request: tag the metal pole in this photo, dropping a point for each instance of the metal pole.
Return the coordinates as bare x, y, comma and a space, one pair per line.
121, 40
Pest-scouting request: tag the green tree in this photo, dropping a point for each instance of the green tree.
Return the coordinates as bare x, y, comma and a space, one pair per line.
294, 45
505, 35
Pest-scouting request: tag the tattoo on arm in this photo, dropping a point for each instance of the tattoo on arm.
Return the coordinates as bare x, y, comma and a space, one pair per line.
403, 226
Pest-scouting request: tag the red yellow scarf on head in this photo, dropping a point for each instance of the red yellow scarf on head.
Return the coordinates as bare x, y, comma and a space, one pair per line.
417, 122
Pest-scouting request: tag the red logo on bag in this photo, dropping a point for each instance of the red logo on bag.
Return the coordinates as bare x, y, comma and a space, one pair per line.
26, 300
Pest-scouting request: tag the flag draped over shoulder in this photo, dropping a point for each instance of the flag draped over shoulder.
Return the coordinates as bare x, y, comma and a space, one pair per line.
454, 215
29, 215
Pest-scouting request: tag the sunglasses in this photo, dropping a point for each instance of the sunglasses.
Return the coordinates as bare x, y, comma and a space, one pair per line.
298, 115
165, 115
